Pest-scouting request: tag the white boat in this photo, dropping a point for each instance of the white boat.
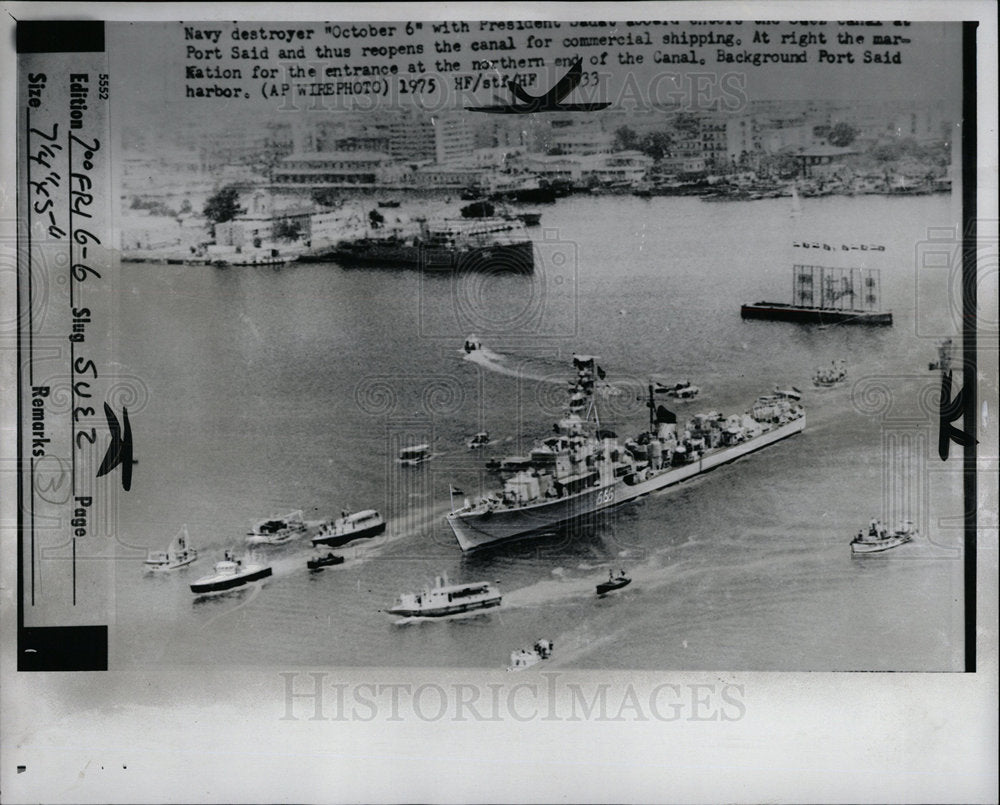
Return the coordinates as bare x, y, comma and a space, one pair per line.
525, 658
447, 599
472, 344
831, 375
277, 530
230, 574
879, 538
411, 456
349, 527
179, 553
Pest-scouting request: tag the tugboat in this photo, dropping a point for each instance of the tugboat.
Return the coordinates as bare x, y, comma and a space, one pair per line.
879, 538
230, 574
277, 530
613, 583
525, 658
319, 562
447, 599
179, 553
349, 527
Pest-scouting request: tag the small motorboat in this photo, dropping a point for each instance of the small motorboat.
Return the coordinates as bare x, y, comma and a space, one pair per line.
277, 530
525, 658
447, 599
879, 538
830, 376
683, 391
481, 439
613, 583
349, 527
319, 562
472, 344
230, 574
179, 553
789, 393
411, 456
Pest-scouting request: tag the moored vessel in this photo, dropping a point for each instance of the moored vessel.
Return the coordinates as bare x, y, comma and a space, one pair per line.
584, 469
349, 527
445, 599
179, 553
230, 574
879, 538
464, 245
825, 295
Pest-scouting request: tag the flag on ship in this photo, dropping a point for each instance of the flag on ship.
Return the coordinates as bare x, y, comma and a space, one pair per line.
665, 416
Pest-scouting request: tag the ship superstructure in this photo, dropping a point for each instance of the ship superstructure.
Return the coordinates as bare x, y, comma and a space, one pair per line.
584, 468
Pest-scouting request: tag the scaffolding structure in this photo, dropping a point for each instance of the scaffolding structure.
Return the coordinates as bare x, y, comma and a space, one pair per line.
847, 289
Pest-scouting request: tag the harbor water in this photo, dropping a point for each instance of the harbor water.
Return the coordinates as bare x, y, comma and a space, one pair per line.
264, 391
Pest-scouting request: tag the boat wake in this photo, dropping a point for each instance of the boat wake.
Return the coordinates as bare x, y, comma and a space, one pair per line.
253, 588
499, 364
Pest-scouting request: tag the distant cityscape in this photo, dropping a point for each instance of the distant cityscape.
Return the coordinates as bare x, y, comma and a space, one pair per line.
315, 163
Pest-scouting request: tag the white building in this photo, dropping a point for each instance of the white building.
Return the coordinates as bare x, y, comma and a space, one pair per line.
454, 140
332, 169
583, 141
623, 166
451, 176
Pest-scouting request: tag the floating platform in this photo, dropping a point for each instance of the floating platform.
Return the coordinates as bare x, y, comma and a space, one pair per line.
780, 311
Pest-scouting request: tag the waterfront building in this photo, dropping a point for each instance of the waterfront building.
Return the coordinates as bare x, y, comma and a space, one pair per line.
257, 224
327, 169
451, 176
822, 160
582, 141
